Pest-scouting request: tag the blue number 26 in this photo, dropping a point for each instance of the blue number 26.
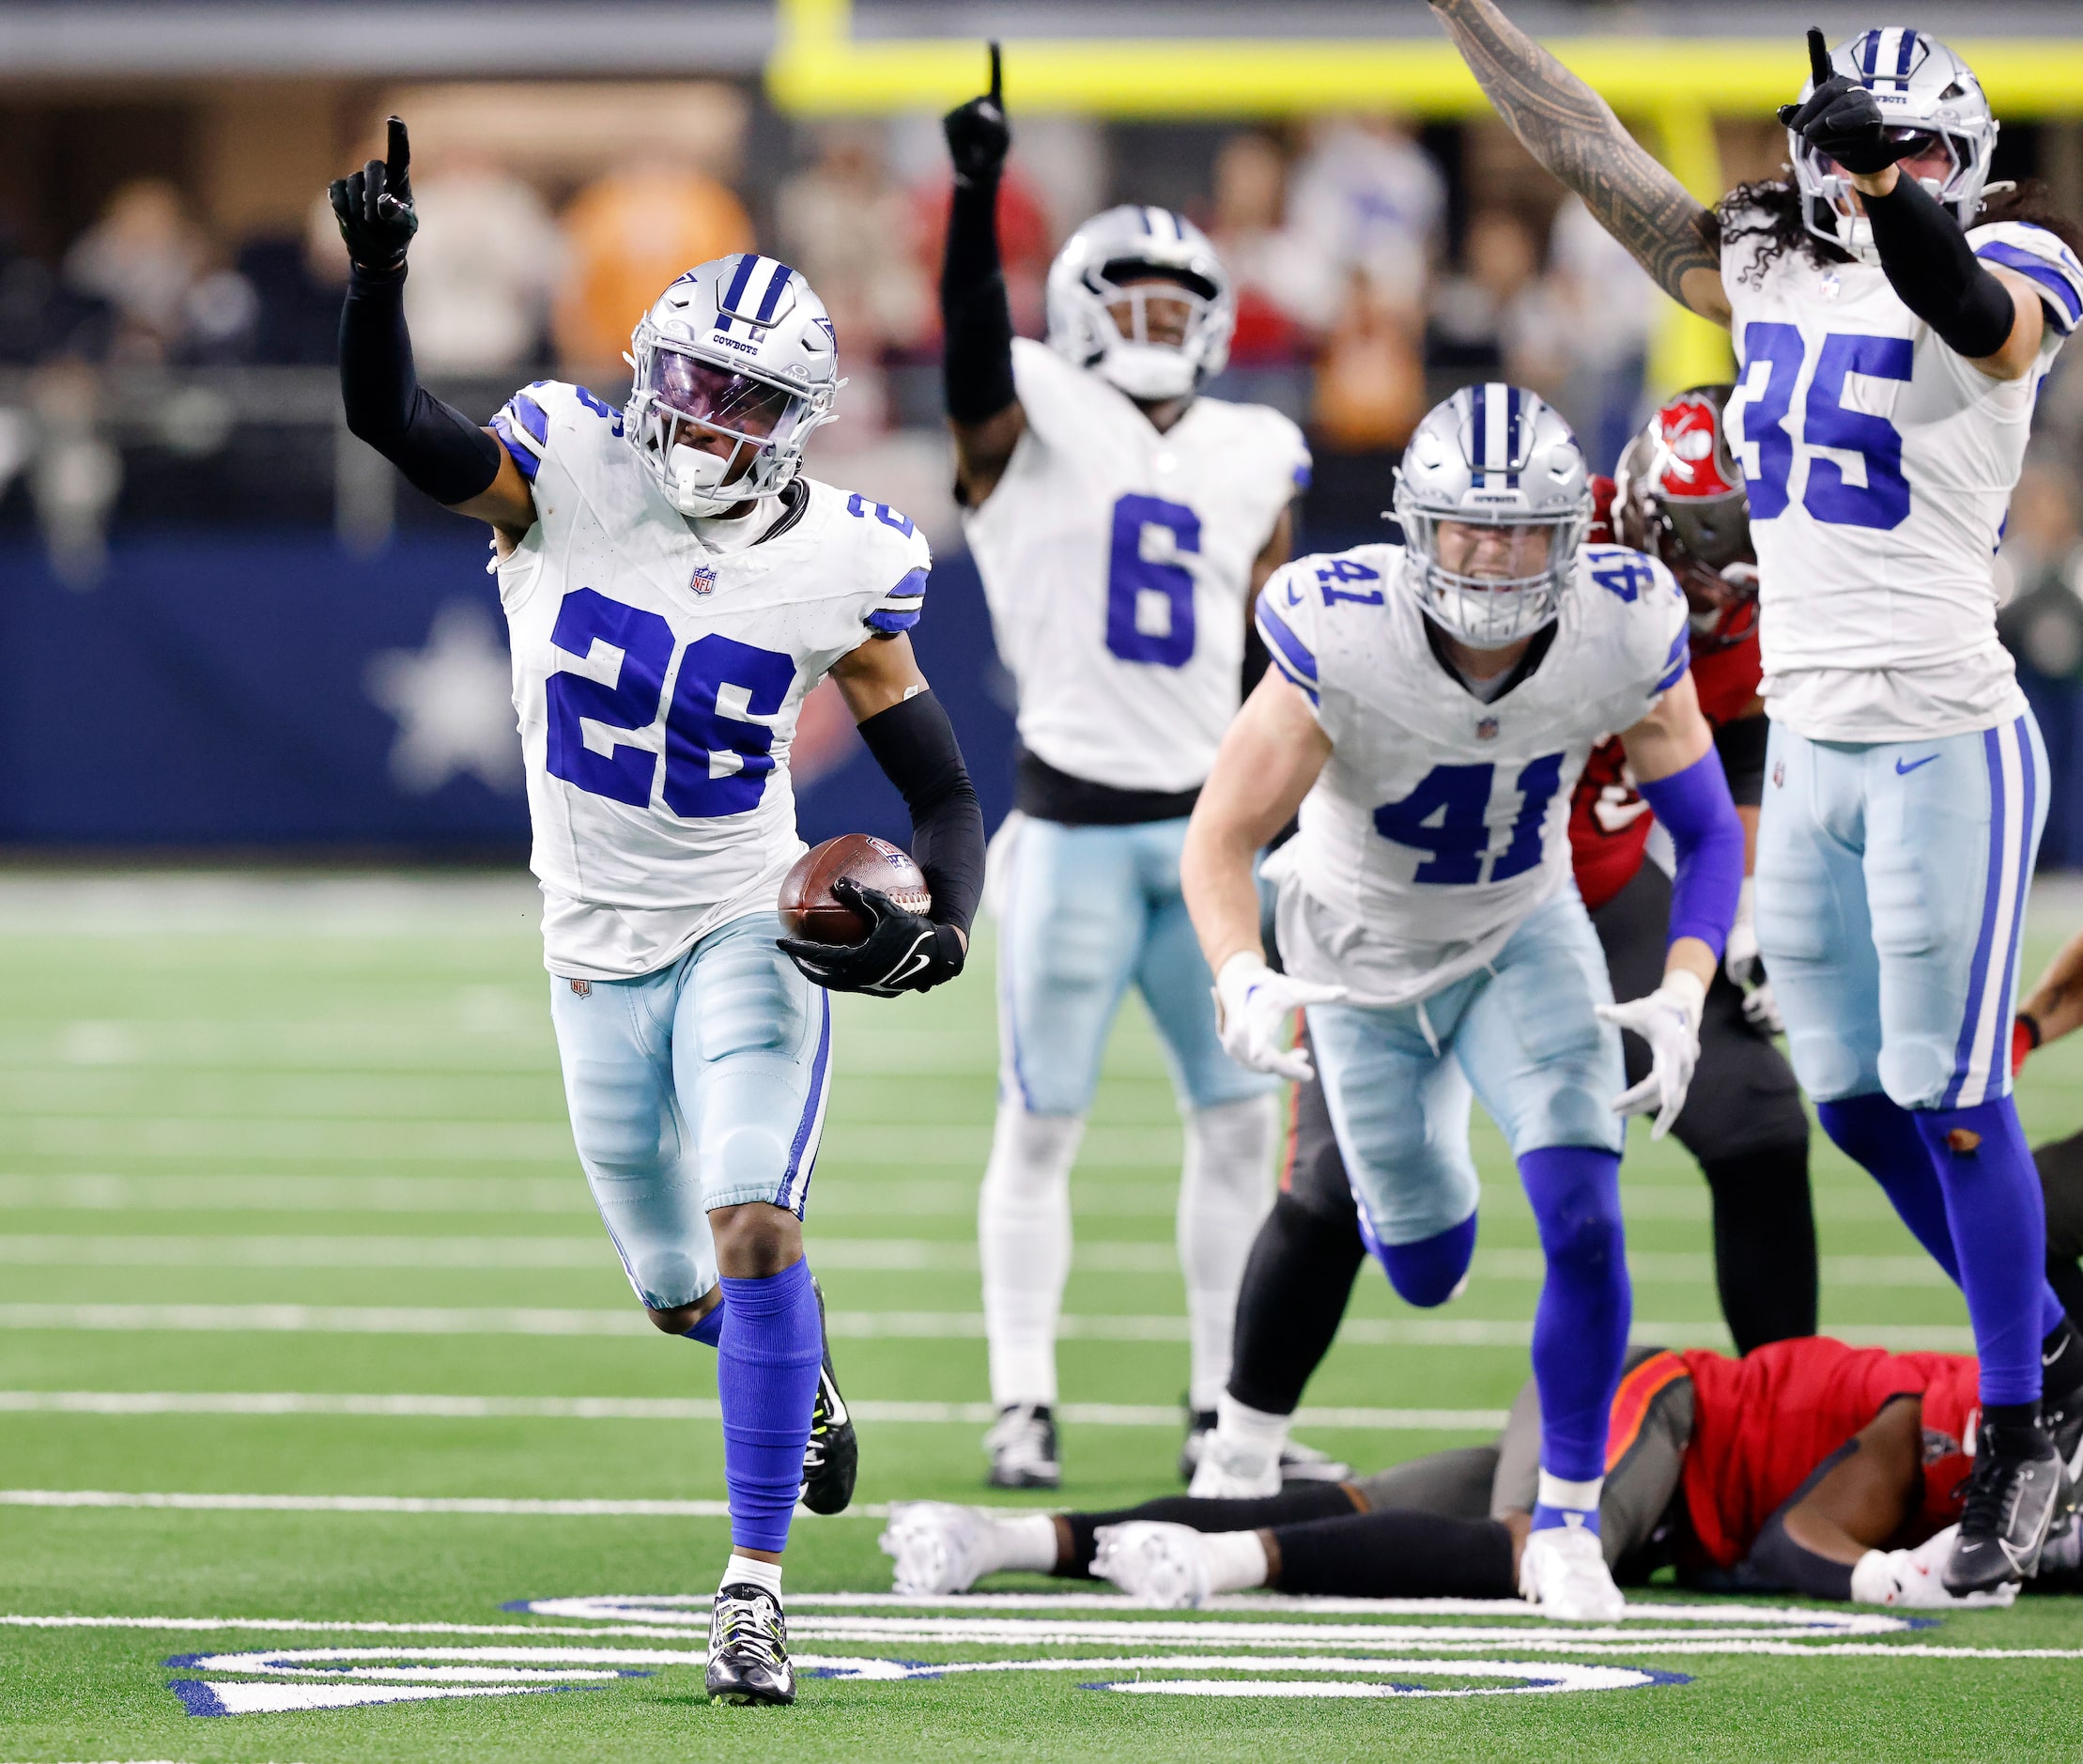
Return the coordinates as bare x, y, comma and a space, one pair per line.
701, 782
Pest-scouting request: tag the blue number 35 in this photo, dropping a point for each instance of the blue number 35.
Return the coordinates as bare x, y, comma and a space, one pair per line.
698, 731
1883, 501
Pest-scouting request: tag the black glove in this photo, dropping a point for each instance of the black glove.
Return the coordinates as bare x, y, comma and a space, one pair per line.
375, 206
978, 138
902, 952
1842, 119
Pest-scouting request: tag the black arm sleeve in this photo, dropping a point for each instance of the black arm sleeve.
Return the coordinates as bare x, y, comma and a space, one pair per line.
438, 449
977, 367
1777, 1560
914, 745
1741, 746
1932, 267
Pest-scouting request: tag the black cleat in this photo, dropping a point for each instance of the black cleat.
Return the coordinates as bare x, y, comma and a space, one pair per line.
2064, 1426
2014, 1498
1023, 1448
832, 1457
1298, 1464
748, 1647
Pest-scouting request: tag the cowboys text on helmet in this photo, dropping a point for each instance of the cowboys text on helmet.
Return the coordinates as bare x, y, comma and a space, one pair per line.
736, 364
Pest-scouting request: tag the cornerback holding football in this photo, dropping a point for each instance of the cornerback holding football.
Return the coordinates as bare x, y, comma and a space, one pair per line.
674, 587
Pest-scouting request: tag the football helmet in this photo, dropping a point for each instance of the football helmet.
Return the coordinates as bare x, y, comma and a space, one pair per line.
1923, 88
739, 347
1090, 277
1678, 494
1493, 456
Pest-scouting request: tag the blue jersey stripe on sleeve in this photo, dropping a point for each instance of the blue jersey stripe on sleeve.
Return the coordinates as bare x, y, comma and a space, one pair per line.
1285, 646
2066, 304
531, 415
913, 586
525, 458
892, 619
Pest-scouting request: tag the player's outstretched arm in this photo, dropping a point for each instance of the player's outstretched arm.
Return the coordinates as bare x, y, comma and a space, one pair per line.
2055, 1008
1571, 131
438, 449
1264, 768
1672, 754
1992, 316
907, 732
984, 408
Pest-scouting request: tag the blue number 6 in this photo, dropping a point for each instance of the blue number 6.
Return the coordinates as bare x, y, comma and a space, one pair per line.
1150, 602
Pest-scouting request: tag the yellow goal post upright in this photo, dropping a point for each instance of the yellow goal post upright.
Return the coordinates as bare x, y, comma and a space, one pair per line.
1671, 88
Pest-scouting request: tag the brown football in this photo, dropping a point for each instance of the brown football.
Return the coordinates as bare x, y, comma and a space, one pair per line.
809, 908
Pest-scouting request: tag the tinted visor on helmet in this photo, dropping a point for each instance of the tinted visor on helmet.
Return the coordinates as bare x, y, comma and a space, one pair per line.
724, 401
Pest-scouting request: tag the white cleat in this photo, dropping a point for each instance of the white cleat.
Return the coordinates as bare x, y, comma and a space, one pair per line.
1235, 1470
1158, 1563
1564, 1572
939, 1547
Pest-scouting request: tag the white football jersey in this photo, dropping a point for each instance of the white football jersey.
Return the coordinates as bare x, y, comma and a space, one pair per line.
1117, 563
658, 679
1880, 466
1439, 821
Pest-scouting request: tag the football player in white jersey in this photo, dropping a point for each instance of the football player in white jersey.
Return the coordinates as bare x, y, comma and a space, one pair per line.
674, 587
1122, 523
1893, 315
1428, 711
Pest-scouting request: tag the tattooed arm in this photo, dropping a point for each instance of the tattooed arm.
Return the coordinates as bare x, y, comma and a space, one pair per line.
1571, 131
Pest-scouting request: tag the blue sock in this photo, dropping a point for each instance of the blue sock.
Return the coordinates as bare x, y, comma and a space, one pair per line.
1998, 1219
766, 1377
1881, 1137
709, 1331
1427, 1272
1580, 1326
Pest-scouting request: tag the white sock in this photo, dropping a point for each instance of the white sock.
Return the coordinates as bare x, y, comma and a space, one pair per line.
1024, 1242
1240, 1425
751, 1570
1235, 1560
1579, 1497
1224, 1187
1028, 1542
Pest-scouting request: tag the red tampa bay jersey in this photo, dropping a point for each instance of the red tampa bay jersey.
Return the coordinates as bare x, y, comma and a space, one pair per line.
1762, 1424
659, 667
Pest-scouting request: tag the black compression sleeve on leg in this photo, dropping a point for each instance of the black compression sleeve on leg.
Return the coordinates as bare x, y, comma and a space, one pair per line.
1396, 1556
438, 449
914, 745
1297, 1282
1741, 745
975, 317
1294, 1505
1764, 1244
1929, 264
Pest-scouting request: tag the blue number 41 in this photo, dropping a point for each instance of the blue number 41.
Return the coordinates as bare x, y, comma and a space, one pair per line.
1344, 570
1447, 815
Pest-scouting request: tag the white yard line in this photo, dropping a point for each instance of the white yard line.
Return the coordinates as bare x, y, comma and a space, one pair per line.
438, 1407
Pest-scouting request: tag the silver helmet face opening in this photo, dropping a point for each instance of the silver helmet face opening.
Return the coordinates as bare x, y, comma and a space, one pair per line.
736, 365
1933, 105
1494, 499
1138, 296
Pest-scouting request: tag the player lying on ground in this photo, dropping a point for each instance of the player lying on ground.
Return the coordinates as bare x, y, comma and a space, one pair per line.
1121, 521
1806, 1466
674, 587
1894, 317
1429, 708
1679, 498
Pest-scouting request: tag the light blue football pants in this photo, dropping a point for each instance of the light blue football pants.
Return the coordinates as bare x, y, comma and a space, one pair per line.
1089, 910
698, 1087
1522, 1033
1891, 884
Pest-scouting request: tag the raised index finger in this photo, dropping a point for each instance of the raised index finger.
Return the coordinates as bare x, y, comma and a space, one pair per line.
998, 87
397, 157
1818, 56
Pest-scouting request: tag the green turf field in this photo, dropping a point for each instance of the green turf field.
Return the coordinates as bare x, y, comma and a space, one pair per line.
289, 1209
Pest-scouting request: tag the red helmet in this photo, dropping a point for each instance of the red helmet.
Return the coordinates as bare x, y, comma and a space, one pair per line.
1679, 495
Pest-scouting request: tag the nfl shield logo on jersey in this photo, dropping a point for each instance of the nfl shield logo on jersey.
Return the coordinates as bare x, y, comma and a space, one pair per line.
1486, 729
703, 579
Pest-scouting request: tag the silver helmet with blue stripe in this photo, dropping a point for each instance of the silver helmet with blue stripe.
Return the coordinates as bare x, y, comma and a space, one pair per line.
1932, 103
1494, 498
736, 364
1156, 272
